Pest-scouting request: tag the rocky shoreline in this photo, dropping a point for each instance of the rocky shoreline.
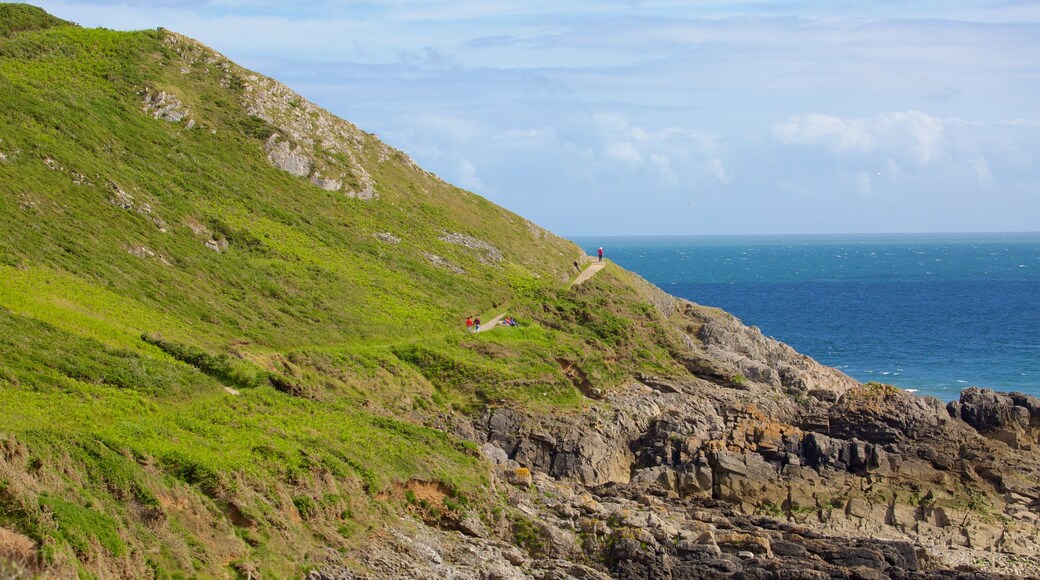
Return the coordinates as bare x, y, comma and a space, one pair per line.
765, 465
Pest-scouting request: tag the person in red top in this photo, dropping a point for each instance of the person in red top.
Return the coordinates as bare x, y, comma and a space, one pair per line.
600, 254
469, 324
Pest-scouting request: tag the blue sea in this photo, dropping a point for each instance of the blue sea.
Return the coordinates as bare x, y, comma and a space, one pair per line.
934, 313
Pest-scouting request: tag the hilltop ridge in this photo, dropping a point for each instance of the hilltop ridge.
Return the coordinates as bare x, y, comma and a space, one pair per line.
232, 344
15, 18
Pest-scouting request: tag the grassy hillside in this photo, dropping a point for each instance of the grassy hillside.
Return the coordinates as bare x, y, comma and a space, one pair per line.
209, 364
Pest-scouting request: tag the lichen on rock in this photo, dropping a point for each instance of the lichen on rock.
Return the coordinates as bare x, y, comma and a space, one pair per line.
323, 143
124, 200
165, 106
288, 158
443, 263
147, 253
387, 237
326, 183
486, 253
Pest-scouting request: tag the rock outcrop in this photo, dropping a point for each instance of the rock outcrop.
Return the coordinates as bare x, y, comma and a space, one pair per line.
1012, 418
163, 105
307, 141
767, 464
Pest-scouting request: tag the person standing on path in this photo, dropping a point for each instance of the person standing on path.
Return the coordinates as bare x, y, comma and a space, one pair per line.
469, 324
476, 323
600, 252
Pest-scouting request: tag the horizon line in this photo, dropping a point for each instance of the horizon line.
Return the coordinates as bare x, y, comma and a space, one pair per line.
749, 235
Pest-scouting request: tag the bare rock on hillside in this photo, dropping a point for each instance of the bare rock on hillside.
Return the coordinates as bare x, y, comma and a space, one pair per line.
124, 200
762, 359
1012, 418
326, 183
486, 253
215, 243
563, 529
288, 158
721, 346
857, 477
387, 237
76, 177
591, 450
333, 151
165, 106
218, 246
884, 414
145, 252
439, 261
332, 146
702, 444
366, 192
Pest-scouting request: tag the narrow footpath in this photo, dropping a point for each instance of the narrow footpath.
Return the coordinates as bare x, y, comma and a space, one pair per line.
486, 326
590, 271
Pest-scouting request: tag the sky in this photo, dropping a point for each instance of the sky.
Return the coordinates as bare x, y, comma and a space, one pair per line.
668, 117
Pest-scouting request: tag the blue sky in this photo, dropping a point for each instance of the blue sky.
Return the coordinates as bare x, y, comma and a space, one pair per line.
669, 117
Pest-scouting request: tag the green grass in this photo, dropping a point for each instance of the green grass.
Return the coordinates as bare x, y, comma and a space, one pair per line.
121, 331
218, 444
15, 18
316, 262
80, 526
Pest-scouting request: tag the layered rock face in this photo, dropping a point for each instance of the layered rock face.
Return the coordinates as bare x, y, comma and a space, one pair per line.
767, 464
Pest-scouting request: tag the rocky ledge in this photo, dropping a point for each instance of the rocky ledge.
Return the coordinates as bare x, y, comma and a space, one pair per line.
760, 463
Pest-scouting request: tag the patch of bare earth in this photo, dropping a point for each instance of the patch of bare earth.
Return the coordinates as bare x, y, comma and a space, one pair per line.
432, 493
18, 554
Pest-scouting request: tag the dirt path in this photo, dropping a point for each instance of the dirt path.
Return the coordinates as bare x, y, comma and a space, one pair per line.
486, 326
589, 272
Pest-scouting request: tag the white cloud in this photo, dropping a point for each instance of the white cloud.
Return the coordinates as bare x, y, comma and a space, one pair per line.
671, 154
663, 164
467, 176
624, 151
716, 168
450, 128
528, 134
982, 171
549, 105
912, 133
1031, 123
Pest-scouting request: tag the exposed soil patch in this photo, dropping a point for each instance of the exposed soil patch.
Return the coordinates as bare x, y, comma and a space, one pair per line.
21, 551
432, 493
578, 378
237, 518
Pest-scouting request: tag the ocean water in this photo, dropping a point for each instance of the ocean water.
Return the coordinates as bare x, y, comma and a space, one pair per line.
934, 313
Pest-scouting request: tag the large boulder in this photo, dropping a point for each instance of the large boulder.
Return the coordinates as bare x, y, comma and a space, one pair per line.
884, 414
1013, 418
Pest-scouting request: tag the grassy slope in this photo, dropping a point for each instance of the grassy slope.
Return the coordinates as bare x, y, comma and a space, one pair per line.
126, 455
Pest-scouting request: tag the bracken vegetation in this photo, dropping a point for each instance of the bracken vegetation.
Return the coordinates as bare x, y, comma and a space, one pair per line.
210, 366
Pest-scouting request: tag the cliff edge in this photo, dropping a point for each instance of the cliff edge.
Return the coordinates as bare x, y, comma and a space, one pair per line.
232, 344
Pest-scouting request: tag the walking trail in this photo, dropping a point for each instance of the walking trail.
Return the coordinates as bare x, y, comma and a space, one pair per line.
587, 273
590, 271
488, 325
